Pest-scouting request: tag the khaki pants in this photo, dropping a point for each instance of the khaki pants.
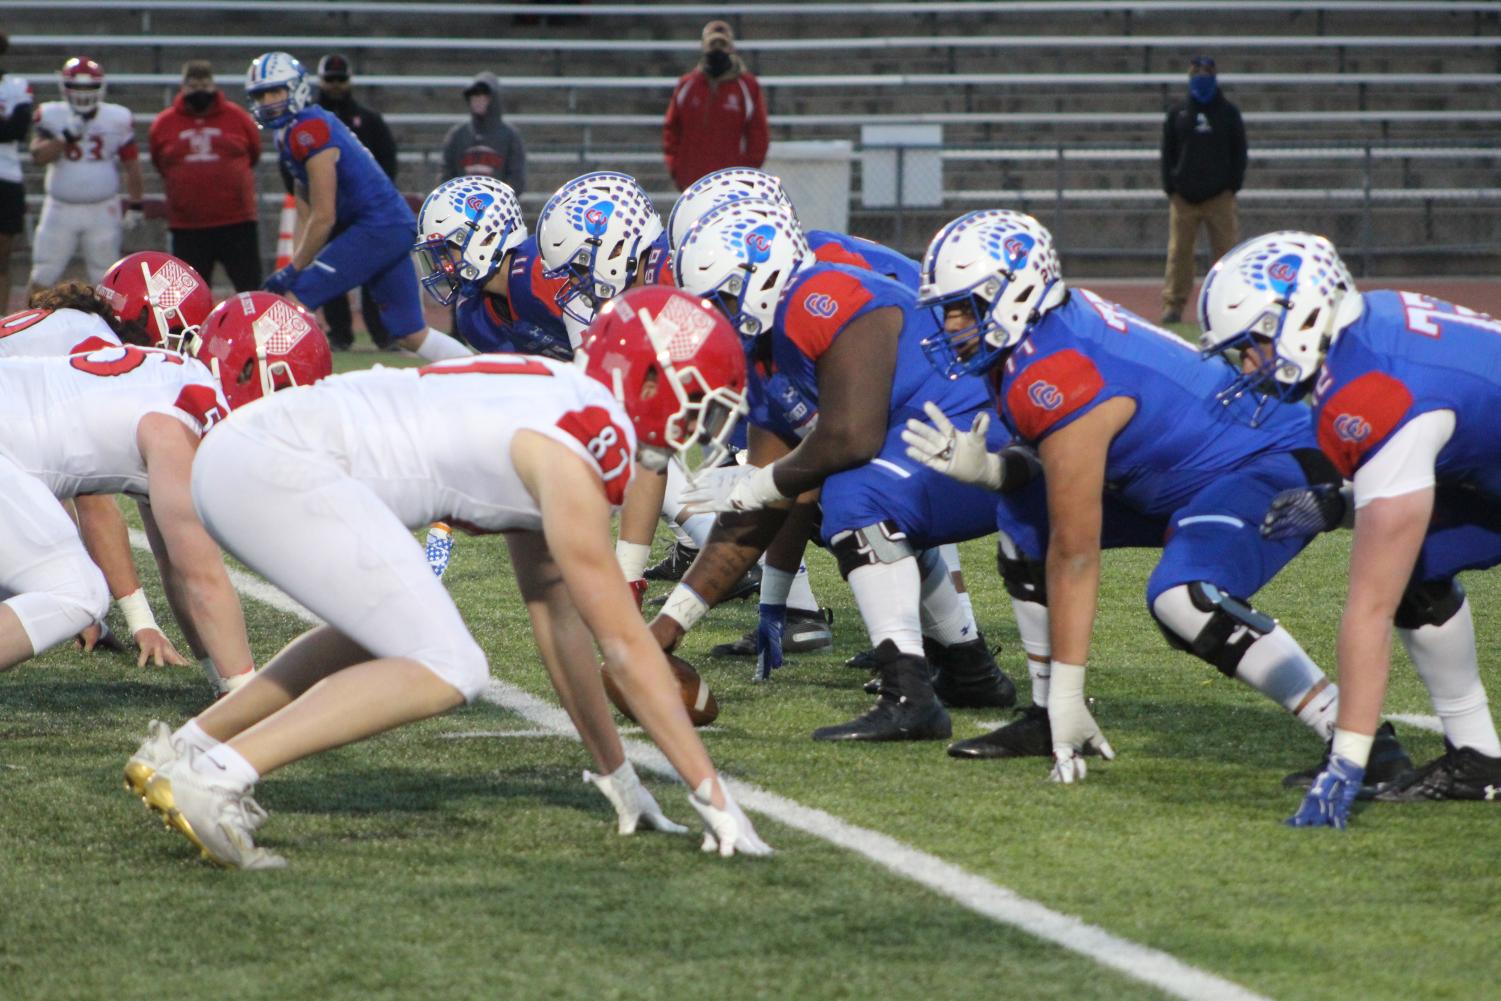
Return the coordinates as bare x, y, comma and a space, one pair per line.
1184, 219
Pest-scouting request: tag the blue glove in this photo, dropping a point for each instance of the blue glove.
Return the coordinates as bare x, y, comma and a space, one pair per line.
1304, 511
769, 632
1328, 802
280, 280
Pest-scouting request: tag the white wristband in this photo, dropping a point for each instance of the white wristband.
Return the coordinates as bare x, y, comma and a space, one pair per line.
1354, 747
235, 681
776, 585
137, 611
632, 557
685, 607
1067, 680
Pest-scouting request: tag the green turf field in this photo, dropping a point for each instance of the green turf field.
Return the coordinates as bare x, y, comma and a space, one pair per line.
448, 860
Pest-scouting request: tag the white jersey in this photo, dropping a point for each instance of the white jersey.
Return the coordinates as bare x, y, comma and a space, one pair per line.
89, 170
71, 422
49, 333
435, 444
15, 93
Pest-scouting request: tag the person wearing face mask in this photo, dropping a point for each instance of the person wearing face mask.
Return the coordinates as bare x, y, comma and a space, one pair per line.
1203, 166
206, 148
485, 145
716, 118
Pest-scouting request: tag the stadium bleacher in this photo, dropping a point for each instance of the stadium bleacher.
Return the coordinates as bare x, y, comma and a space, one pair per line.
1375, 118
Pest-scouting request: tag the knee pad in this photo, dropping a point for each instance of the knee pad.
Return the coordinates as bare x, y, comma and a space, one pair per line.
1428, 603
1202, 620
1025, 579
883, 542
49, 617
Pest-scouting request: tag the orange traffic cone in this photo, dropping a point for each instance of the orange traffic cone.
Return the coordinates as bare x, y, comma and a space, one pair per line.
287, 233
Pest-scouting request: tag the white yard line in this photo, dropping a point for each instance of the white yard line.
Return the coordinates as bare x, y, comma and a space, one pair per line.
975, 892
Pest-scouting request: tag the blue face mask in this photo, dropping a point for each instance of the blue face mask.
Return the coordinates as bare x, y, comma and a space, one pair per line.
1203, 88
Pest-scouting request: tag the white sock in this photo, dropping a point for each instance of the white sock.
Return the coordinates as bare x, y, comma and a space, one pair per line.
1445, 658
437, 346
227, 766
697, 529
1277, 667
944, 618
800, 597
1042, 674
672, 491
191, 734
888, 596
1032, 623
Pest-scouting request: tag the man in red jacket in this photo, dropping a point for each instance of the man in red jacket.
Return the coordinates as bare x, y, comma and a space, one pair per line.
205, 148
717, 118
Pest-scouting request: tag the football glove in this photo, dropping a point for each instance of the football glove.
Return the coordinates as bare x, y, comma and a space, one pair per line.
634, 805
731, 488
961, 455
1074, 728
1328, 803
280, 280
727, 830
1305, 511
769, 632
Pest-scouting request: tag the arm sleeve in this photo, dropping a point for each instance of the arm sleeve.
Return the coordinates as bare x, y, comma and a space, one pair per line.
15, 127
383, 144
1238, 155
1405, 463
756, 138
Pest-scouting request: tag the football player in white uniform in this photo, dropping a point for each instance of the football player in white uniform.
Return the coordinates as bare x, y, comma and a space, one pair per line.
85, 143
314, 491
15, 123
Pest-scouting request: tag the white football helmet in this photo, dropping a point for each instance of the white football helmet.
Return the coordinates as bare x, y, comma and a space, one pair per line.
465, 229
594, 233
1002, 266
82, 83
713, 190
270, 72
1287, 293
741, 257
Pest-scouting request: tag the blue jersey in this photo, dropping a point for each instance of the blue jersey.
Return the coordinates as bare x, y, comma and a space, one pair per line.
1409, 355
819, 305
1180, 440
366, 195
526, 320
656, 263
839, 248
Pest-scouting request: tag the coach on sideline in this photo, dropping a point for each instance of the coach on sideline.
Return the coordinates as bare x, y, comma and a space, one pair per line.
716, 118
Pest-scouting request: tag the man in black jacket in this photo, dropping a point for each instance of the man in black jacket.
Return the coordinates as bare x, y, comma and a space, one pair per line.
1203, 166
370, 129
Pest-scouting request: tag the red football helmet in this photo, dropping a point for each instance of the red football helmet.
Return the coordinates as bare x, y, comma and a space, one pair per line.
83, 84
256, 343
676, 364
161, 292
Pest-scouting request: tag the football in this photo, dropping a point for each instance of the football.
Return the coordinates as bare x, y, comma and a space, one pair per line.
697, 699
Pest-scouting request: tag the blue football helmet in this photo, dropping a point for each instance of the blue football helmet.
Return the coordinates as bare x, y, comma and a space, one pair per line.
272, 71
594, 233
465, 229
742, 256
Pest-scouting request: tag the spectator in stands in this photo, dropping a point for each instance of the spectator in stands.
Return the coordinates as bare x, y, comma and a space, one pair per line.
206, 148
716, 118
485, 145
1203, 166
15, 122
335, 94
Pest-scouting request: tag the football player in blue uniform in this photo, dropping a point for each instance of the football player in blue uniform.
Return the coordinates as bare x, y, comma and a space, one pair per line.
1142, 442
473, 250
844, 344
355, 228
1405, 388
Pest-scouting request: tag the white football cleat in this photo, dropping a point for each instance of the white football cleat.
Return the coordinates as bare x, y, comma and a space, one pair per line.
218, 818
154, 753
727, 830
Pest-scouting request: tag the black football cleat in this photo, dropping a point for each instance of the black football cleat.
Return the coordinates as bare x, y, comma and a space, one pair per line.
673, 565
965, 676
807, 632
1030, 735
865, 660
906, 708
1459, 773
1388, 763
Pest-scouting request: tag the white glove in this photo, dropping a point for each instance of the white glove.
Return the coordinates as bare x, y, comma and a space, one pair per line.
726, 831
962, 455
1074, 729
132, 219
731, 488
634, 805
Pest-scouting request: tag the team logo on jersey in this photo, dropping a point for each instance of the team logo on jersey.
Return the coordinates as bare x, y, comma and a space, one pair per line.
597, 217
476, 203
1352, 428
1045, 395
758, 244
821, 305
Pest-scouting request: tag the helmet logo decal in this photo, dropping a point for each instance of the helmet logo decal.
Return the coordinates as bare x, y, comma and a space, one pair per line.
597, 217
1045, 395
1283, 273
1016, 247
279, 328
758, 244
1352, 428
822, 305
476, 203
686, 325
170, 285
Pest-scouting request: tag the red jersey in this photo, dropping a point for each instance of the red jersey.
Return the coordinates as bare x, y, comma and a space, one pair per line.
207, 163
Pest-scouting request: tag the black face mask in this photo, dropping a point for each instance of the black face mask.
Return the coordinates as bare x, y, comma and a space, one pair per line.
716, 62
198, 101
